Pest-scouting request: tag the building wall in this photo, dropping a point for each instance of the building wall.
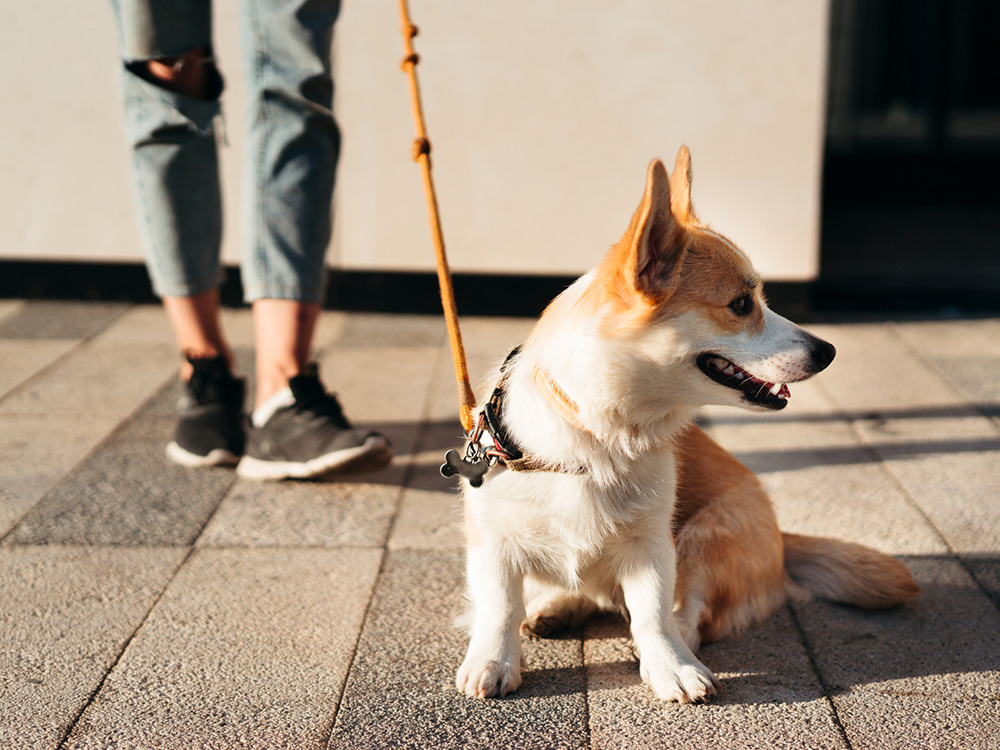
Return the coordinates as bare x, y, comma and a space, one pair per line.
543, 118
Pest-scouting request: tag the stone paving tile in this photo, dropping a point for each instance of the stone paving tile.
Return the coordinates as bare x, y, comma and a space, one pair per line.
10, 306
976, 377
937, 444
921, 721
490, 339
36, 451
66, 613
927, 675
349, 513
401, 690
247, 648
952, 338
388, 330
43, 319
430, 513
97, 377
127, 491
383, 386
770, 697
23, 358
966, 353
144, 324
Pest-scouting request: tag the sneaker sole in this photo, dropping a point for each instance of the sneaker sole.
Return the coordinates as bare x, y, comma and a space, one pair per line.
374, 454
217, 457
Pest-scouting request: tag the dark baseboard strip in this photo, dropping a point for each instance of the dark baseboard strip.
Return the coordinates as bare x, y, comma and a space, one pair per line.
476, 294
355, 291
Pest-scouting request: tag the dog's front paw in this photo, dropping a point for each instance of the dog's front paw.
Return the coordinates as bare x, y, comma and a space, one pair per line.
686, 683
484, 678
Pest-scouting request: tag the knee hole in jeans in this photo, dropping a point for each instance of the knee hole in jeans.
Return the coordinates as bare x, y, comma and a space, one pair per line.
192, 74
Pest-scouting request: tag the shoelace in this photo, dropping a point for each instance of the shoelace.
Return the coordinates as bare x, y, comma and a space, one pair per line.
313, 399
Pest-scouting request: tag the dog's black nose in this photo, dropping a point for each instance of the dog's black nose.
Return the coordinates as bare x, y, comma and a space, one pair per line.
822, 354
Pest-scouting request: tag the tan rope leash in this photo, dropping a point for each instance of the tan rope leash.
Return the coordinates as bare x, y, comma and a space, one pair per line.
422, 155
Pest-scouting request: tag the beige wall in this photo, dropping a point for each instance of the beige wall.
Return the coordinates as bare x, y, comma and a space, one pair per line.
543, 118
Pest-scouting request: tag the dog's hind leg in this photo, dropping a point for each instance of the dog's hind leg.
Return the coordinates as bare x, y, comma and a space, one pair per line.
730, 571
551, 609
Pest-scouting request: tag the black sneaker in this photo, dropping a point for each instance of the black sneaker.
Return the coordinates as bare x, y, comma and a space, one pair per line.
310, 437
210, 429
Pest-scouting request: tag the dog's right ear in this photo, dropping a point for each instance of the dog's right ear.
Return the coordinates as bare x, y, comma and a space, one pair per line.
655, 238
680, 187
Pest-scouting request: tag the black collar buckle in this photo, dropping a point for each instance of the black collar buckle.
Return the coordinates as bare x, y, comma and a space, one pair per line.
488, 443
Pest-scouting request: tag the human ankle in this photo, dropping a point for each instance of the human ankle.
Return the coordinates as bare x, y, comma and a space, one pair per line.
190, 355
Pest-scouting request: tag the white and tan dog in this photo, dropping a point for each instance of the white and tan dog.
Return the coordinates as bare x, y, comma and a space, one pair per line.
627, 505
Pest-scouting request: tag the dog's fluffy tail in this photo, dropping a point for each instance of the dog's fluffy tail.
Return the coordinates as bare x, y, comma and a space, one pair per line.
846, 572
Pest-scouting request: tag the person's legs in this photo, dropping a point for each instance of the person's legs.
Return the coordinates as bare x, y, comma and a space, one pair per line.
291, 154
171, 94
297, 428
283, 332
292, 147
197, 327
171, 90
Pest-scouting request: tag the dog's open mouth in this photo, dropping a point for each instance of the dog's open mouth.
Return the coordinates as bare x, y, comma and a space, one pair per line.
755, 391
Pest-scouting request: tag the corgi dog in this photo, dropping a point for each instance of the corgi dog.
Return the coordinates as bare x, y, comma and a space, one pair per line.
608, 497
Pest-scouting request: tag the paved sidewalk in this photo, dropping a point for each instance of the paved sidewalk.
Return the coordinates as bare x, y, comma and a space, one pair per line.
144, 605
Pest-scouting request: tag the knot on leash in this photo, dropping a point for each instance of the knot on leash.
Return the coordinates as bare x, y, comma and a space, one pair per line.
410, 30
421, 147
410, 61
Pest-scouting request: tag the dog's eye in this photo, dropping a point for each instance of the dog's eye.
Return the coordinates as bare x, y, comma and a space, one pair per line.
742, 305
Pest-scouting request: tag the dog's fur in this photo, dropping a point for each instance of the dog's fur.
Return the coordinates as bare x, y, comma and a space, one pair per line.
643, 513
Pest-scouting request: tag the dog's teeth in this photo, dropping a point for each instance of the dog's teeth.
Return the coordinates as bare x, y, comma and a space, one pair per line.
729, 370
776, 389
739, 376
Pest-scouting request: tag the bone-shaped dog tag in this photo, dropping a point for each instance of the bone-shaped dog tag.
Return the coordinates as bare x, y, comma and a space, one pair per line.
454, 464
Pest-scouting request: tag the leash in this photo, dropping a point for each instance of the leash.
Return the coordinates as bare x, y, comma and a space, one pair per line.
488, 443
422, 155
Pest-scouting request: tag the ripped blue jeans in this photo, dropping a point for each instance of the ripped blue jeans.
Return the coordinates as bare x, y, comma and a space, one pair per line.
292, 146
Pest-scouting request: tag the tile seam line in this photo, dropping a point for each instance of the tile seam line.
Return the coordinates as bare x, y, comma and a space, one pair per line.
408, 475
86, 457
588, 731
418, 444
869, 448
78, 343
893, 327
62, 744
807, 645
824, 685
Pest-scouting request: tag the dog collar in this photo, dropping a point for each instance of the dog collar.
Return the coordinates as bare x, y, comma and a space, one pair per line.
488, 444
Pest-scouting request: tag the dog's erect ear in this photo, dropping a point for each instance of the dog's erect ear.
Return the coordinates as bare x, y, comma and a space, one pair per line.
655, 238
680, 187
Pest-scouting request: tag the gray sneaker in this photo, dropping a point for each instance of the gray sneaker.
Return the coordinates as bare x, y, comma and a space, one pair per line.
209, 416
310, 437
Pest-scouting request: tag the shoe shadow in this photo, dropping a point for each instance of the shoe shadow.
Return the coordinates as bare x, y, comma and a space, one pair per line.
418, 449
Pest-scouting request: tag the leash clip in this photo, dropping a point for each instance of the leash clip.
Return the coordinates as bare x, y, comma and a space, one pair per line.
482, 454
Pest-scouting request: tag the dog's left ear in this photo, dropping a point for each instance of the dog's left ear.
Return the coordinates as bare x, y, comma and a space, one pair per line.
656, 238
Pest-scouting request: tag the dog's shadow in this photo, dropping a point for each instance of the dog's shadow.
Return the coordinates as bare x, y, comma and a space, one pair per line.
806, 651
